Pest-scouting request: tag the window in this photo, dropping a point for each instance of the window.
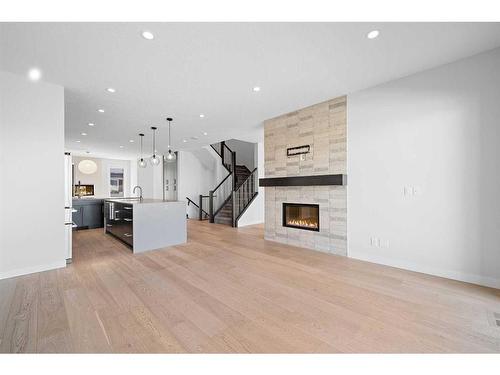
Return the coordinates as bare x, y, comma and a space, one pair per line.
116, 182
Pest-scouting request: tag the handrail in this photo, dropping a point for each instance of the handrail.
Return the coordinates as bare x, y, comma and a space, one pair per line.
244, 209
220, 183
227, 147
218, 153
226, 154
198, 207
223, 191
244, 195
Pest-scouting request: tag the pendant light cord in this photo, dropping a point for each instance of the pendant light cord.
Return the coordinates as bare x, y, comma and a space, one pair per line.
141, 146
169, 143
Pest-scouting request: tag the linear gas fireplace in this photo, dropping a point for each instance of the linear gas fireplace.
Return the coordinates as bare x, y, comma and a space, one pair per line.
301, 216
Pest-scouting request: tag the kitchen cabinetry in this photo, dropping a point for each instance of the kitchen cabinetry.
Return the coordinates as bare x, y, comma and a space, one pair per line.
88, 213
119, 221
146, 224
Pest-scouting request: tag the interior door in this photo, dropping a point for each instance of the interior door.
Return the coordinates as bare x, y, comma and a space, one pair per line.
170, 180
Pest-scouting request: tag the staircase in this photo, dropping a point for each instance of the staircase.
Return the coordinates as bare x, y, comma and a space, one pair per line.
225, 214
232, 196
242, 173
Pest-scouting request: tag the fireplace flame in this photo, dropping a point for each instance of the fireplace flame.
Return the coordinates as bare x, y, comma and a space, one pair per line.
307, 223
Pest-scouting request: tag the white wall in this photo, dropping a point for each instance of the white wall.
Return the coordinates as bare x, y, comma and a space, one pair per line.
245, 152
255, 212
198, 172
31, 176
151, 180
100, 179
437, 131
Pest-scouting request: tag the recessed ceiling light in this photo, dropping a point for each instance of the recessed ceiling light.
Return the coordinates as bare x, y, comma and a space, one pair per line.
202, 115
34, 74
84, 134
131, 141
122, 146
148, 35
205, 133
373, 34
110, 89
184, 140
100, 110
256, 89
77, 141
91, 124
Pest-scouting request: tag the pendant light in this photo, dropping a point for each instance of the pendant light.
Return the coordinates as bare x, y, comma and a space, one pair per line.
171, 155
155, 160
141, 162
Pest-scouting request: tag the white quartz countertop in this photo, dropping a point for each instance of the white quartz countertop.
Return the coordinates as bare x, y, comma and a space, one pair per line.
135, 201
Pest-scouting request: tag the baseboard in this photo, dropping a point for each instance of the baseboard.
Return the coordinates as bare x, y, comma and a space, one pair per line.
34, 269
251, 223
448, 274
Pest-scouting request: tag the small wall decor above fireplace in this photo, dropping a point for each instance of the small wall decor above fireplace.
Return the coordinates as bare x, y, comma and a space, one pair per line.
301, 216
294, 151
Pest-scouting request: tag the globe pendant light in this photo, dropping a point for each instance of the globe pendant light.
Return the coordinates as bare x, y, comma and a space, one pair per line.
171, 155
141, 162
155, 160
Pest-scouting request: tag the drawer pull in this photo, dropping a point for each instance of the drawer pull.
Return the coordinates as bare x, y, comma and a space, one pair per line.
127, 234
127, 219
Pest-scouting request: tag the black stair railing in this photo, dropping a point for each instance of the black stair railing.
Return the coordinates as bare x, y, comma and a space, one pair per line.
228, 156
244, 195
220, 195
202, 214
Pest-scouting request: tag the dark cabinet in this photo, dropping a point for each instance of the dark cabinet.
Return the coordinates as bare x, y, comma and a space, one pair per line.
92, 216
77, 216
88, 213
119, 221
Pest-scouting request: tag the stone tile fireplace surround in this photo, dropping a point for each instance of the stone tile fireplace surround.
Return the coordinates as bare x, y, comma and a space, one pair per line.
324, 128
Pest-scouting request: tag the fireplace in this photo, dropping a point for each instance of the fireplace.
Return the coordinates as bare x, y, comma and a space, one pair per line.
301, 216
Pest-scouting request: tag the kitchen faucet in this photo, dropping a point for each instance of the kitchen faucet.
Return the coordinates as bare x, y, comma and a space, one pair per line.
138, 187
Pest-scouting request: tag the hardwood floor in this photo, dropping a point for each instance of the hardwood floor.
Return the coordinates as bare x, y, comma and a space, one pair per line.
229, 290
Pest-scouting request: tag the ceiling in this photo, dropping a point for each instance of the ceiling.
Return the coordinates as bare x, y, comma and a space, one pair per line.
190, 69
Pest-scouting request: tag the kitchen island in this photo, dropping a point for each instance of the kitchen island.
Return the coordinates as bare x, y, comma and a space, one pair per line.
146, 224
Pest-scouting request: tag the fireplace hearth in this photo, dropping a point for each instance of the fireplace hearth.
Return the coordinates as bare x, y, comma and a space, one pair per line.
301, 216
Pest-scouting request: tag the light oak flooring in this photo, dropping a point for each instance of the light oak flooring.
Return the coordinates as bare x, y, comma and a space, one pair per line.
229, 290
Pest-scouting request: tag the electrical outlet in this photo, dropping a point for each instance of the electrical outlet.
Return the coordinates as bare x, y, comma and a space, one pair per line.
379, 242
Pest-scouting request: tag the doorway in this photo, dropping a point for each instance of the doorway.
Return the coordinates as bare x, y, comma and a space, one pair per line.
170, 179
